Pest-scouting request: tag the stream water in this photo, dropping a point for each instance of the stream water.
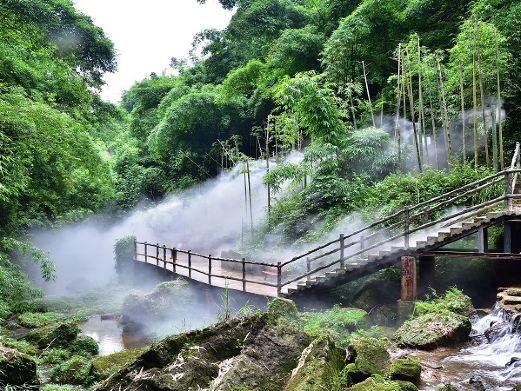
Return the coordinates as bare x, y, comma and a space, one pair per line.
490, 358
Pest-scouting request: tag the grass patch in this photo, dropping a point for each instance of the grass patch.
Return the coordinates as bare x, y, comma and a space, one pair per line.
454, 300
336, 322
38, 319
19, 344
105, 366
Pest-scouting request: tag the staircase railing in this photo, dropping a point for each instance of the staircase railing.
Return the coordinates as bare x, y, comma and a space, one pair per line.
495, 192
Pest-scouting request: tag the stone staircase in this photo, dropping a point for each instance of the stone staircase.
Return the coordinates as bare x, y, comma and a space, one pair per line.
435, 238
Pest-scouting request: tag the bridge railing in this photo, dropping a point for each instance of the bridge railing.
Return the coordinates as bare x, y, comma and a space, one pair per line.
217, 271
494, 193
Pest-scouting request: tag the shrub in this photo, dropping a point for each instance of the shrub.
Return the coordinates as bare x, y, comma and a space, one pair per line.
76, 370
84, 346
38, 319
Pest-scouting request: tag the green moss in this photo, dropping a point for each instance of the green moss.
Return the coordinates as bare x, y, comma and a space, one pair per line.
54, 356
336, 322
434, 329
370, 355
319, 368
38, 319
56, 387
84, 346
281, 308
17, 369
58, 336
454, 300
76, 370
105, 366
407, 369
406, 385
19, 344
376, 383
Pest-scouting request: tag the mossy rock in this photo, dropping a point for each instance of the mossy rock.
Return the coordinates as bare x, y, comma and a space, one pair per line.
17, 369
53, 356
57, 387
407, 369
319, 367
105, 366
434, 329
376, 383
84, 346
406, 385
448, 387
281, 308
369, 356
76, 370
57, 336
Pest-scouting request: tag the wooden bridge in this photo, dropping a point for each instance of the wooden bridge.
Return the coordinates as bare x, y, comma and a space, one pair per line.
463, 216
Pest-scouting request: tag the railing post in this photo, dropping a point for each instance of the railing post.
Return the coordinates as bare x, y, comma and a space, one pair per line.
407, 228
174, 260
508, 190
308, 268
157, 254
342, 240
210, 269
189, 263
135, 249
244, 275
164, 256
362, 242
146, 252
279, 278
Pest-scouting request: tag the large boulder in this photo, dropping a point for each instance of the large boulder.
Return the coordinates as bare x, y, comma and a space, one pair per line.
56, 336
367, 356
377, 383
434, 329
17, 369
407, 369
319, 367
281, 308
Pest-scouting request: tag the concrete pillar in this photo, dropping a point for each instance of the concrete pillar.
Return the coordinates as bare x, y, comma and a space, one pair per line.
482, 240
408, 278
427, 273
512, 237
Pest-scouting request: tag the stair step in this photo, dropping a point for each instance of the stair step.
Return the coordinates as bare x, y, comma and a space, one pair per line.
384, 253
469, 224
432, 239
494, 215
455, 231
421, 244
396, 249
302, 285
292, 290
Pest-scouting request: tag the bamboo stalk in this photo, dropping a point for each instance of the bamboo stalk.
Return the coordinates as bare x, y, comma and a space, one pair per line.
420, 103
368, 94
475, 111
413, 119
499, 107
434, 134
482, 95
448, 142
397, 135
463, 119
268, 164
249, 194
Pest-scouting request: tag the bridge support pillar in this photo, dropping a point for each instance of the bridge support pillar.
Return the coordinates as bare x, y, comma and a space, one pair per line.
427, 273
408, 278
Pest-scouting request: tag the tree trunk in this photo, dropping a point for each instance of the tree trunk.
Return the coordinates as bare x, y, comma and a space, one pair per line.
463, 119
482, 95
413, 119
446, 124
475, 112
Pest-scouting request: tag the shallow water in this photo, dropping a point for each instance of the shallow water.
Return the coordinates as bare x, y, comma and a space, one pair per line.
109, 335
483, 359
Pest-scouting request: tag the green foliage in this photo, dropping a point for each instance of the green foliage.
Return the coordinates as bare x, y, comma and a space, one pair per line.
84, 346
336, 322
453, 300
76, 370
38, 319
53, 356
105, 366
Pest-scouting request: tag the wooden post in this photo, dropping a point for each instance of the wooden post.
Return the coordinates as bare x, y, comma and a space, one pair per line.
244, 275
508, 191
507, 241
408, 278
279, 278
189, 263
157, 254
308, 268
146, 251
210, 269
342, 245
135, 249
174, 259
